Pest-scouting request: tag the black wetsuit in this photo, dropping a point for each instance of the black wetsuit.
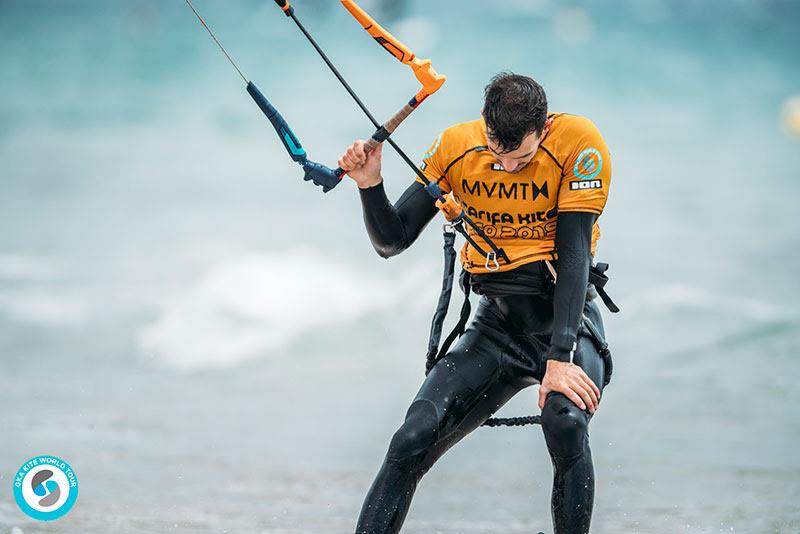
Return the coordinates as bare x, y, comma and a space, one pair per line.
503, 350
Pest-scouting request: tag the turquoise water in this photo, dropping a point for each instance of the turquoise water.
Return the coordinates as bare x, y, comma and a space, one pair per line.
214, 347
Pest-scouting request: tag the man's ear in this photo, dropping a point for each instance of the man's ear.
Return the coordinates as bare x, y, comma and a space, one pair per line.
546, 128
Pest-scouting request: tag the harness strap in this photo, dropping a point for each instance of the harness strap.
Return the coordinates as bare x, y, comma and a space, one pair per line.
466, 309
598, 279
444, 298
454, 213
436, 353
602, 349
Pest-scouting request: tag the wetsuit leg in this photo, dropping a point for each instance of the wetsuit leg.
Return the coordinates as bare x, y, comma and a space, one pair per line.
565, 428
464, 389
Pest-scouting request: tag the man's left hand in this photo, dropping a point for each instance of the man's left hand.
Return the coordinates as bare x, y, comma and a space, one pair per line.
573, 382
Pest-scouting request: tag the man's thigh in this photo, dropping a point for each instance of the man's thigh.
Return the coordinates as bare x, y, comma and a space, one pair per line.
587, 354
469, 384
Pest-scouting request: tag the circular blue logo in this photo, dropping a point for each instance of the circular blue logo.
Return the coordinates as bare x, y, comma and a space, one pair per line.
45, 487
589, 164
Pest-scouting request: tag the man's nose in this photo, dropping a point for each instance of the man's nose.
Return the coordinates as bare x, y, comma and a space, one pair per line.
509, 165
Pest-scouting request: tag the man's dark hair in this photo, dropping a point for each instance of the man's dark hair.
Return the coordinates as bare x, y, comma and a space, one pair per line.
514, 106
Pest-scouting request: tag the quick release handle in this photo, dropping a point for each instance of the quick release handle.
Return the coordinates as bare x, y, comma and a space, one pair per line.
289, 140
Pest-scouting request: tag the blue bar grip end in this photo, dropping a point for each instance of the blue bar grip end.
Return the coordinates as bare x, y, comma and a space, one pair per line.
321, 175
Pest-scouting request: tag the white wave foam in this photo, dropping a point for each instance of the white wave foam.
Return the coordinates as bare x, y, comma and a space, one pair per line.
32, 303
260, 303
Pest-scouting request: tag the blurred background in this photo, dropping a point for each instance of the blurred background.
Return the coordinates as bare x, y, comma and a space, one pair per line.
213, 345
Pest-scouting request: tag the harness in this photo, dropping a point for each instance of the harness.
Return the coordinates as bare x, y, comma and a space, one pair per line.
436, 352
457, 219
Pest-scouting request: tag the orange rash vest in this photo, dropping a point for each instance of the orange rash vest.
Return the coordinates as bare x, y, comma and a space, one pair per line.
571, 171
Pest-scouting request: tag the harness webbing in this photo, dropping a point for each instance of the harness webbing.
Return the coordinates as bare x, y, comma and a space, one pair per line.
455, 215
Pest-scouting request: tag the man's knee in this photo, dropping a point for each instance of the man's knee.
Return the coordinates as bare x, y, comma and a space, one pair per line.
565, 426
417, 434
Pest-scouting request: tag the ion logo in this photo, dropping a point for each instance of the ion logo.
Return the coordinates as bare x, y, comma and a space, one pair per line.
45, 487
586, 184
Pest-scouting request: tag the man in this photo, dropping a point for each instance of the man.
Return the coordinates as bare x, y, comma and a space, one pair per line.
536, 184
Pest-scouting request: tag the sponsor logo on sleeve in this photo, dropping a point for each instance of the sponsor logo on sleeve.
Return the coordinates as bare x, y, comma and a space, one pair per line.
434, 148
585, 184
588, 164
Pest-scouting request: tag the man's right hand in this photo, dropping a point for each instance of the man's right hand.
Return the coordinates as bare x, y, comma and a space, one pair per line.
363, 168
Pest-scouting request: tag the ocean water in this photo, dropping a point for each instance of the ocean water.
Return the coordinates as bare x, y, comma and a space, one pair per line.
214, 347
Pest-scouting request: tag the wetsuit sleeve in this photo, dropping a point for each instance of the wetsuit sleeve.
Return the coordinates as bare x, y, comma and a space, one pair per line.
392, 229
587, 172
573, 245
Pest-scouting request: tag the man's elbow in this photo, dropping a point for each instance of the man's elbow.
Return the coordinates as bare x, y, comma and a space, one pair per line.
388, 250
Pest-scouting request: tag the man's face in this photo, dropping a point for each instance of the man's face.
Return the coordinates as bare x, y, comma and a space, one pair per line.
516, 160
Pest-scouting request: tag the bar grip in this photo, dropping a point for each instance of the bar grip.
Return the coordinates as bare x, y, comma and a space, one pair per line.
383, 133
388, 128
392, 124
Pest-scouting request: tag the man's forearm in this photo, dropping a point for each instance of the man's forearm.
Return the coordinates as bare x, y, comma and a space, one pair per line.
393, 228
573, 244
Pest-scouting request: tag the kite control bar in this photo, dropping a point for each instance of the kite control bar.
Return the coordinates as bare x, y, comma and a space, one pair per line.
431, 80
